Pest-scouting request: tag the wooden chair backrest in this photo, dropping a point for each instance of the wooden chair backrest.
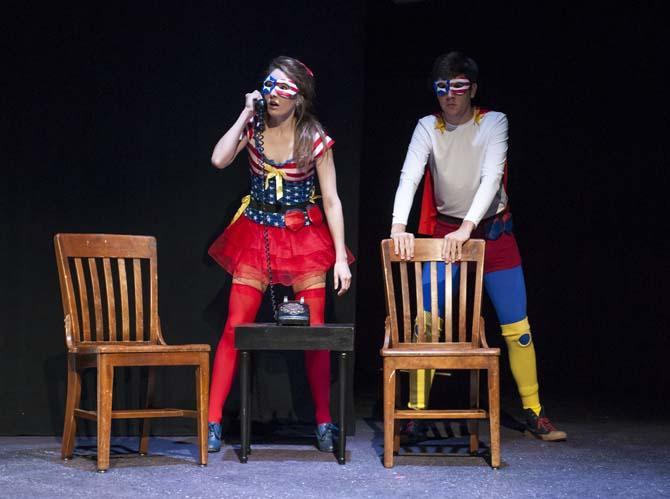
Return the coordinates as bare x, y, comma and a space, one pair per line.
403, 310
95, 279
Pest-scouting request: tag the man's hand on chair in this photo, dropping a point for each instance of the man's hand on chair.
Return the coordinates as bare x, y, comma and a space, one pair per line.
452, 249
403, 242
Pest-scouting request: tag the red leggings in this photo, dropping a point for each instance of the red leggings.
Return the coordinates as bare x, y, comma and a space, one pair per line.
242, 307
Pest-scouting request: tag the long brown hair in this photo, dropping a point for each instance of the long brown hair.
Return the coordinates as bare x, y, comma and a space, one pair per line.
306, 124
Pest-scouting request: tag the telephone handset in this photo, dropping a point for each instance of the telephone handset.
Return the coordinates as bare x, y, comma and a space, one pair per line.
289, 312
259, 107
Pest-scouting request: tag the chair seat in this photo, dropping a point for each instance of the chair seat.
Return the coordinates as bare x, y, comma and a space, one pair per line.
437, 350
107, 347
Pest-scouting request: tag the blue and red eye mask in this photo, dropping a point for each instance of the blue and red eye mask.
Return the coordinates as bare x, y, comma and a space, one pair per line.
457, 86
283, 87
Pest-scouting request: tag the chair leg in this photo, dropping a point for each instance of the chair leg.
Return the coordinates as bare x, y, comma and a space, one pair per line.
473, 426
202, 395
399, 385
494, 412
104, 413
397, 423
396, 436
72, 403
146, 422
389, 410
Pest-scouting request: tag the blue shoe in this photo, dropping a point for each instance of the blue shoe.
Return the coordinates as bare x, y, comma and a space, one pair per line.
324, 436
414, 431
214, 437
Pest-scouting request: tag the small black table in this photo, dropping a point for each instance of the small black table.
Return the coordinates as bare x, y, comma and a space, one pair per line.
269, 336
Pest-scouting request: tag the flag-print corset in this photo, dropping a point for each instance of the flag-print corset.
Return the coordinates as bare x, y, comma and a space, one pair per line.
283, 185
294, 193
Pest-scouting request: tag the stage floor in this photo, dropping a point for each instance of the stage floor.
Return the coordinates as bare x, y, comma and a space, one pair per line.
605, 456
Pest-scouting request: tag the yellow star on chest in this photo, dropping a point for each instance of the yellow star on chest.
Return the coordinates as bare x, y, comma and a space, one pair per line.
440, 124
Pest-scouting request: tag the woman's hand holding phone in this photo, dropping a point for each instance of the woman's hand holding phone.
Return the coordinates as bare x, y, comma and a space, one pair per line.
250, 100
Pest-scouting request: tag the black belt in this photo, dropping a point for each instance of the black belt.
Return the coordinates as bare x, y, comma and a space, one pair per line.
485, 228
276, 208
459, 221
449, 220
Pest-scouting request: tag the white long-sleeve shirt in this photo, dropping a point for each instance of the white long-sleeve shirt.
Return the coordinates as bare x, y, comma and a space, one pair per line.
467, 165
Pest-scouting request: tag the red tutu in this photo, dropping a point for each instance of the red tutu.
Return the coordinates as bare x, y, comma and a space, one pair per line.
294, 255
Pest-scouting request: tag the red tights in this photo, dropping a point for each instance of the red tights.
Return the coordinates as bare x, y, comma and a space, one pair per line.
242, 307
317, 362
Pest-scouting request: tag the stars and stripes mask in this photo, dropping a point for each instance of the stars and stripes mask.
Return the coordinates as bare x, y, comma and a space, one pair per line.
458, 86
283, 87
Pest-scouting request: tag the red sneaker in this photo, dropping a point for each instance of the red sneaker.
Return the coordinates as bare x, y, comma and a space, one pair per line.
540, 427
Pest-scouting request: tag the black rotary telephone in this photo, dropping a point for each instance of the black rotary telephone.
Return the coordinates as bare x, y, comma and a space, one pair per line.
288, 312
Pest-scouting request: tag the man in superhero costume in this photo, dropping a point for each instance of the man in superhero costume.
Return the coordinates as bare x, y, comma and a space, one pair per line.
461, 151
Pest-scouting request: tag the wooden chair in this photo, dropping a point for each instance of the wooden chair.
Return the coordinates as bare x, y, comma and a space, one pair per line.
259, 336
468, 350
106, 327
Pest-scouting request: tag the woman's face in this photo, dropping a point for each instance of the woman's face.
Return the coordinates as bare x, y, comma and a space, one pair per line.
280, 93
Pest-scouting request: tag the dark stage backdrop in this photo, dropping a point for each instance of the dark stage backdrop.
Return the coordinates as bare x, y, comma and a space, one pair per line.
112, 113
111, 116
588, 177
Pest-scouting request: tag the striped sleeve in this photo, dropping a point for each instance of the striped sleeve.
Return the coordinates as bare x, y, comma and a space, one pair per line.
318, 149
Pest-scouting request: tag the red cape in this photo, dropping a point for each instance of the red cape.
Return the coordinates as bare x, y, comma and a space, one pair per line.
428, 216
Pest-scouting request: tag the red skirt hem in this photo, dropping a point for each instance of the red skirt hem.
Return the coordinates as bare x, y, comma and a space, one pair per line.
294, 255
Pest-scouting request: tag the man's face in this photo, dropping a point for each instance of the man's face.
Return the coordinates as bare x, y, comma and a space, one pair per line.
454, 96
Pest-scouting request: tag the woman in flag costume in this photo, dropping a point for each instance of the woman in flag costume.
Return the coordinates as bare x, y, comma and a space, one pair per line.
463, 152
303, 245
